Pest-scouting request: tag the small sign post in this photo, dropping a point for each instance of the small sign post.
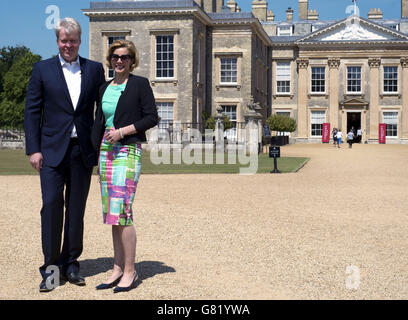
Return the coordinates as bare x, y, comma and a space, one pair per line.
274, 152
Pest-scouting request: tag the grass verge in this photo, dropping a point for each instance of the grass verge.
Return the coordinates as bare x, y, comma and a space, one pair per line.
15, 162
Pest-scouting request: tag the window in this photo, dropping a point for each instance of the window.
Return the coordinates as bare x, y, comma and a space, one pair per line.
231, 112
317, 118
318, 79
166, 114
390, 79
390, 118
285, 30
354, 79
165, 56
283, 77
228, 70
393, 26
111, 72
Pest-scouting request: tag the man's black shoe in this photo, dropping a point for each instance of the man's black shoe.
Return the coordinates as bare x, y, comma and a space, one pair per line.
75, 278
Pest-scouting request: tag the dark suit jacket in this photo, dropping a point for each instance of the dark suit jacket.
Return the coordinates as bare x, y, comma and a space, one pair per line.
49, 115
136, 106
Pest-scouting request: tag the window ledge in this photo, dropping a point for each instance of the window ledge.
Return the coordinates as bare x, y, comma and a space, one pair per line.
353, 94
174, 81
276, 95
228, 85
390, 94
318, 94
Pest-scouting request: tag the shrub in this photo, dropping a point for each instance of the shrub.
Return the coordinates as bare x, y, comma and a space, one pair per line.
209, 121
277, 122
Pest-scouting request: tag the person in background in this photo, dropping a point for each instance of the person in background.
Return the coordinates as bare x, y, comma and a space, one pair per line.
350, 138
339, 136
126, 111
58, 117
359, 135
334, 134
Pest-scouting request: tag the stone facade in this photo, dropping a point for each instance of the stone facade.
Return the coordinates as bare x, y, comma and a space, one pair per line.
350, 72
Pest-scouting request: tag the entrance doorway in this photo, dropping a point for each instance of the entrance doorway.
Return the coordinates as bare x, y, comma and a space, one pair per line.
353, 121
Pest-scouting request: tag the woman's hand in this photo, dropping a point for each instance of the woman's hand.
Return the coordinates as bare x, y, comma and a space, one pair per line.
113, 136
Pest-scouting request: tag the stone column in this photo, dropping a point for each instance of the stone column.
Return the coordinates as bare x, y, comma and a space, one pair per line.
374, 64
302, 122
219, 130
333, 91
253, 125
404, 91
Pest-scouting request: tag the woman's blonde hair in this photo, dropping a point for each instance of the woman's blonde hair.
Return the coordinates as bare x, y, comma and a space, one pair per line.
130, 46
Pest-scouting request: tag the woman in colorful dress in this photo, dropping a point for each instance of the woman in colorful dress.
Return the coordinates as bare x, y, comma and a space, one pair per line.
126, 110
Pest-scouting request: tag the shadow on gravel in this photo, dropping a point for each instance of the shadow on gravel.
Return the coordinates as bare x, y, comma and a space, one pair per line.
145, 269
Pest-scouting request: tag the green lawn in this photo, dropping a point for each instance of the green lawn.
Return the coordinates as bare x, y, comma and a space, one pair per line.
15, 162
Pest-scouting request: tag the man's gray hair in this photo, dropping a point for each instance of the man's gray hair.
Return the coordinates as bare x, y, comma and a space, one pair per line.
70, 25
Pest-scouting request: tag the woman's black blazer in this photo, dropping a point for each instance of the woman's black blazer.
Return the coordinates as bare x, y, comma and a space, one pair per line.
136, 106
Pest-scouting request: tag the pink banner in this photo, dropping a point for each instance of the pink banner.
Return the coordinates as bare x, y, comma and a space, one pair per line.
382, 132
326, 133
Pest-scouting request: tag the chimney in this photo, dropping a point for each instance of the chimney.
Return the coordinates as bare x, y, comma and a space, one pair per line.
303, 9
313, 15
211, 5
259, 8
404, 9
375, 14
232, 5
289, 14
219, 5
270, 16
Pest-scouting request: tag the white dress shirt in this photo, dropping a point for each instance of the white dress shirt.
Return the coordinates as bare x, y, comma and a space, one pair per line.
72, 74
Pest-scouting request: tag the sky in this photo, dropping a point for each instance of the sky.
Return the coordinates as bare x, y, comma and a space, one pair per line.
24, 22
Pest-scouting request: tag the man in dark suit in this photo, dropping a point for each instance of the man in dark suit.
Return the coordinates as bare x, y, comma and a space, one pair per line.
58, 118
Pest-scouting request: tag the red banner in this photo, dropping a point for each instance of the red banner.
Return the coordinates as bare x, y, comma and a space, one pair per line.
326, 133
382, 132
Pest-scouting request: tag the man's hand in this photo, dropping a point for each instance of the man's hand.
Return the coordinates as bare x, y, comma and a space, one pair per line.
36, 161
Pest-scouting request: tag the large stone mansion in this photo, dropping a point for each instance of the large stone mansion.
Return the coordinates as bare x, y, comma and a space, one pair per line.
203, 55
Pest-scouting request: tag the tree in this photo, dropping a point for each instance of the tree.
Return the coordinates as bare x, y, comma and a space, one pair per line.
13, 96
282, 123
8, 55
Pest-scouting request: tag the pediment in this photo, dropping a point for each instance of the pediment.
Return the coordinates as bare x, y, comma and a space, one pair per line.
354, 102
354, 29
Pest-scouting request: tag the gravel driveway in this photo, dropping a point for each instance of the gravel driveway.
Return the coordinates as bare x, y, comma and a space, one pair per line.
337, 229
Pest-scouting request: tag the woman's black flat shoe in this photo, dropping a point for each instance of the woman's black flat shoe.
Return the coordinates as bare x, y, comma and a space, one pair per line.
104, 286
133, 285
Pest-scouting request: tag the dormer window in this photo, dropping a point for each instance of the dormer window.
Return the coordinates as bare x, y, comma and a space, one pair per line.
394, 26
285, 30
